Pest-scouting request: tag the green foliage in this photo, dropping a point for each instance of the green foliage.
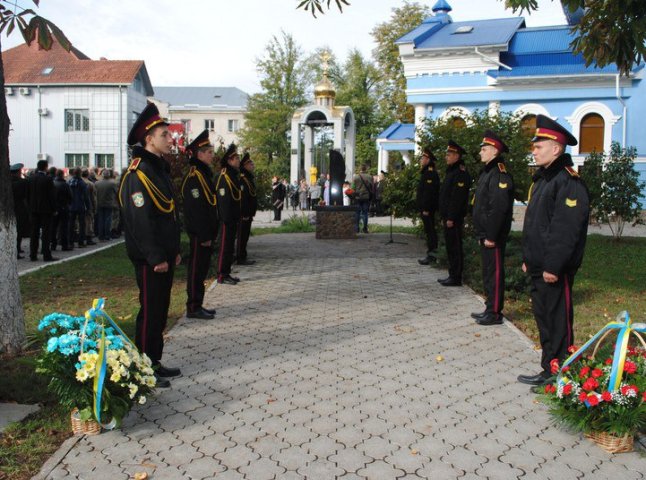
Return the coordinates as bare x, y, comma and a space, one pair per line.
400, 188
609, 32
591, 174
315, 6
284, 81
621, 190
437, 132
392, 85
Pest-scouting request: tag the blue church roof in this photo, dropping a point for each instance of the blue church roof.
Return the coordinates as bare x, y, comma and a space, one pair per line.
399, 131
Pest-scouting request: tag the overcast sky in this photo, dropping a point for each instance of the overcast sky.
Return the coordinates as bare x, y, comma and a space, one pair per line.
217, 42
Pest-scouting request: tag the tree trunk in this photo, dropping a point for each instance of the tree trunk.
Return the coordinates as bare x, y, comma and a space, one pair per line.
12, 316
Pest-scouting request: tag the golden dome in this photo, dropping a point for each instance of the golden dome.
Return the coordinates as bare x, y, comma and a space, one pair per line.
324, 88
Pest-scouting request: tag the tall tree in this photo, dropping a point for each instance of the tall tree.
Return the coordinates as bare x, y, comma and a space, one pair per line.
283, 80
392, 87
12, 317
608, 31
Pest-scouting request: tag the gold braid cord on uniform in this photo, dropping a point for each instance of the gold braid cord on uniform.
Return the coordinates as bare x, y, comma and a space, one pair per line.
252, 191
232, 187
155, 193
210, 196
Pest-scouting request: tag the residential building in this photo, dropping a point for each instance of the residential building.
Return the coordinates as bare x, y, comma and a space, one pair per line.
220, 110
69, 109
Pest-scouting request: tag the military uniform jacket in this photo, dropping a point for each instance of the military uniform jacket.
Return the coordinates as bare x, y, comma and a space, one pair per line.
454, 193
428, 189
249, 202
229, 194
493, 202
556, 220
200, 209
148, 207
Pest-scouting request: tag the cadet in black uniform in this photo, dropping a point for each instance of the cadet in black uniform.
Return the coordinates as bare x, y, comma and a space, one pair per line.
428, 193
152, 232
229, 193
454, 196
249, 205
201, 222
492, 213
554, 235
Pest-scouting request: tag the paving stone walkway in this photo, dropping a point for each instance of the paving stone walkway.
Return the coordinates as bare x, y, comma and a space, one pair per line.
342, 359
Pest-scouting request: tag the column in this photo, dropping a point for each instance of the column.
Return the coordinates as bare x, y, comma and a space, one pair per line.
295, 151
494, 108
308, 143
421, 112
406, 157
383, 159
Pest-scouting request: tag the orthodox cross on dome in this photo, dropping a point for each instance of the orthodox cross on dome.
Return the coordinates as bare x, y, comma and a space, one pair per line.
442, 6
325, 58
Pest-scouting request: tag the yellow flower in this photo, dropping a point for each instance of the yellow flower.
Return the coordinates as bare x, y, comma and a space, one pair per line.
115, 377
133, 389
81, 375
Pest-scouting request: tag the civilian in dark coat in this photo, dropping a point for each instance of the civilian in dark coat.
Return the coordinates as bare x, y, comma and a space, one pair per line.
492, 213
248, 207
428, 194
19, 188
454, 197
78, 208
42, 207
278, 193
60, 226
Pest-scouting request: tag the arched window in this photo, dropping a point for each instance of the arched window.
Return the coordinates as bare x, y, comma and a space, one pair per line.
528, 125
458, 122
592, 131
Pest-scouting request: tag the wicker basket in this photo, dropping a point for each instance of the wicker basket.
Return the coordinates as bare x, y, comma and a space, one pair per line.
83, 427
611, 443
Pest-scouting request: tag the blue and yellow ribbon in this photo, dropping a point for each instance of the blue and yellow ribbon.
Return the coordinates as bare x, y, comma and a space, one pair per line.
625, 327
98, 315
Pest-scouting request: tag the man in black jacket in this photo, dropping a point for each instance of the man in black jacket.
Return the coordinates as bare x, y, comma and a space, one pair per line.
229, 194
42, 206
60, 226
454, 194
554, 235
278, 193
19, 188
201, 221
492, 213
152, 232
428, 194
248, 207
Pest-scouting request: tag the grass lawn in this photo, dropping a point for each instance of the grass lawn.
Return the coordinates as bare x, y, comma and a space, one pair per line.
612, 278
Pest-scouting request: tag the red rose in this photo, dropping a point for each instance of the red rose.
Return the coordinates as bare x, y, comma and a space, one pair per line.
644, 396
565, 369
628, 389
593, 400
608, 361
630, 367
572, 349
590, 384
567, 389
554, 366
583, 396
606, 396
584, 371
596, 373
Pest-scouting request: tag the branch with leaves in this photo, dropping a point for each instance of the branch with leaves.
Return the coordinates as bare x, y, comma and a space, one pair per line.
315, 6
37, 28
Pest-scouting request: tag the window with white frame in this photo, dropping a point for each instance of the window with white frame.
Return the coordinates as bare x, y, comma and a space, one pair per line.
232, 126
592, 132
209, 124
77, 120
77, 160
104, 160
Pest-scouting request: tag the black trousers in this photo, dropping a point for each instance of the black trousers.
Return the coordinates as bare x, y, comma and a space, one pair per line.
554, 314
77, 218
278, 212
454, 250
41, 227
493, 277
199, 262
244, 230
431, 235
60, 229
154, 300
226, 243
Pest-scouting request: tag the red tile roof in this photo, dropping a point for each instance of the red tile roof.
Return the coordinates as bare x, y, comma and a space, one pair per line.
25, 64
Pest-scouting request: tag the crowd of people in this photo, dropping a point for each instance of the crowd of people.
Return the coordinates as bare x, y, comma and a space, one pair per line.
54, 209
554, 230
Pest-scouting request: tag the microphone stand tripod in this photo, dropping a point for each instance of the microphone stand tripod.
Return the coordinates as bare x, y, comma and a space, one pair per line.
391, 240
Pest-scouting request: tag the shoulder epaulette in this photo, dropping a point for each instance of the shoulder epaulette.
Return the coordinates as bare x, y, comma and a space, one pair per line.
192, 170
501, 167
572, 172
134, 164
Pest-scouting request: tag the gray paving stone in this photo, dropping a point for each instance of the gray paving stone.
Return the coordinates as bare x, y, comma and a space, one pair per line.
322, 364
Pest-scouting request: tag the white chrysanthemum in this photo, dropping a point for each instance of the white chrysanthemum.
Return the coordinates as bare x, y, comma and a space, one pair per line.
115, 377
133, 389
141, 400
82, 375
150, 381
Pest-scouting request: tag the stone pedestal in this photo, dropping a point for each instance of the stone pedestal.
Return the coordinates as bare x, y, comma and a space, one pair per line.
336, 222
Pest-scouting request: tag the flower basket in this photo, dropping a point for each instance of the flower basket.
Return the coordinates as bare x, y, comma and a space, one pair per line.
83, 427
93, 368
601, 388
612, 443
